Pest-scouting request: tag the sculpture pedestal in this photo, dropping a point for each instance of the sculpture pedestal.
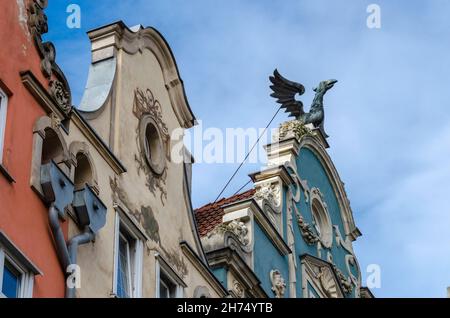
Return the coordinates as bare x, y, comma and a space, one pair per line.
320, 134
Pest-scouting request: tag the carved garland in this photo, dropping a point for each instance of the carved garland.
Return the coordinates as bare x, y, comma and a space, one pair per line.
58, 86
309, 235
147, 107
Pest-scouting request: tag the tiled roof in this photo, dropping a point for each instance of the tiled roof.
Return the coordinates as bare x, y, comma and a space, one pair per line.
210, 215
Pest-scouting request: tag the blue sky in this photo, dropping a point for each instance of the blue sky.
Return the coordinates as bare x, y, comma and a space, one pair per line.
387, 118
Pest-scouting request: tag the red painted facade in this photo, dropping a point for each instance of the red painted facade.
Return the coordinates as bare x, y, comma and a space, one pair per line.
23, 215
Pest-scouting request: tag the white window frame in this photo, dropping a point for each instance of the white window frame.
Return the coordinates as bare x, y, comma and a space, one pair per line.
3, 114
135, 255
169, 273
26, 279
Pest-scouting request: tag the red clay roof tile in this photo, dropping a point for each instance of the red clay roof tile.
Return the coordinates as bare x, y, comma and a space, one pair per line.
210, 215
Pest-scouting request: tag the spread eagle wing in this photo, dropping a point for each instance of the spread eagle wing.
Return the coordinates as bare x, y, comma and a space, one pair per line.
284, 91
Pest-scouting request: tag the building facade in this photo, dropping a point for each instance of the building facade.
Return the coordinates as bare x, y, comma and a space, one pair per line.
291, 235
94, 199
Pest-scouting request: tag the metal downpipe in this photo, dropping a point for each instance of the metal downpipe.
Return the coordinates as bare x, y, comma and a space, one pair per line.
58, 235
84, 238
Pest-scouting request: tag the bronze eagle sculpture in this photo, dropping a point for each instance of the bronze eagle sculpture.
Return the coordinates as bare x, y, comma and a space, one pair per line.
285, 92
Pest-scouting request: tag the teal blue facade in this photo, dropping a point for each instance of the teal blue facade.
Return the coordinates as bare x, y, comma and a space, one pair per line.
312, 171
266, 258
318, 260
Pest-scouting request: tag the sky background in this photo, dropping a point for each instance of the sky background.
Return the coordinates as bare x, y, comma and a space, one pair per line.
387, 117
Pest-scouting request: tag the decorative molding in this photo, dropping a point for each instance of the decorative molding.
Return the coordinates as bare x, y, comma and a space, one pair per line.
265, 223
321, 276
147, 110
107, 40
308, 234
328, 282
228, 258
61, 95
346, 282
345, 244
271, 192
204, 270
43, 97
278, 283
238, 289
292, 129
58, 86
311, 143
279, 171
321, 218
237, 228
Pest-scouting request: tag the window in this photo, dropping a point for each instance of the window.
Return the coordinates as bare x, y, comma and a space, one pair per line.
322, 223
152, 145
83, 172
3, 111
124, 272
167, 289
16, 271
128, 261
168, 283
321, 218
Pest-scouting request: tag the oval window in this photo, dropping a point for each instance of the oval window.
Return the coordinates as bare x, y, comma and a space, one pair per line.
153, 145
322, 223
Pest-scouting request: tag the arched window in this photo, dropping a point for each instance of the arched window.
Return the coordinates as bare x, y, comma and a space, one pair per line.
48, 145
52, 148
83, 172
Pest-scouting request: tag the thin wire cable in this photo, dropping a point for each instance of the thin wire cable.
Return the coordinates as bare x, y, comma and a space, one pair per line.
248, 155
240, 189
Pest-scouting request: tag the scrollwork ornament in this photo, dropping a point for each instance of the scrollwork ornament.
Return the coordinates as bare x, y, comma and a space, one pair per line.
147, 108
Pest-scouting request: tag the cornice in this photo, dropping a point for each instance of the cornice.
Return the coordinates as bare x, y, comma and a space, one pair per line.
228, 258
95, 140
279, 171
109, 40
41, 95
260, 217
202, 268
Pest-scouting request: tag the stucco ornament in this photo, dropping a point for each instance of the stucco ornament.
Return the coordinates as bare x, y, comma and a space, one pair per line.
291, 129
58, 87
278, 283
346, 282
271, 192
321, 218
328, 282
239, 229
152, 140
308, 234
61, 95
350, 261
238, 289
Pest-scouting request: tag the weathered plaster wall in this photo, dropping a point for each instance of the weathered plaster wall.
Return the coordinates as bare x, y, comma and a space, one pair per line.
162, 213
21, 210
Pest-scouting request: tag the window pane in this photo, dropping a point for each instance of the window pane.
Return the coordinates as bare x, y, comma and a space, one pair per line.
11, 281
163, 290
123, 278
